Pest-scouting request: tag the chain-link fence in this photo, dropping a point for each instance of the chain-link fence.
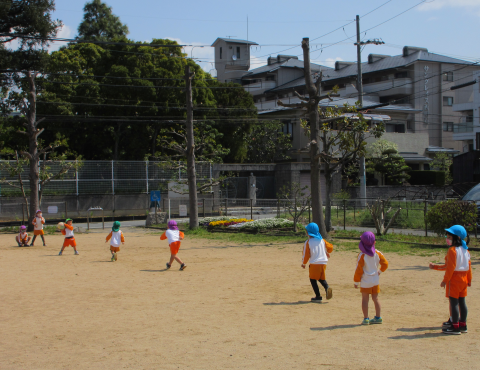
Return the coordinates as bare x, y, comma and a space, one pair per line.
104, 177
354, 213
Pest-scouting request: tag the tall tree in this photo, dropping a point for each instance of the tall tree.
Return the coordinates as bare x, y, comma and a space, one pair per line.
100, 24
267, 143
30, 21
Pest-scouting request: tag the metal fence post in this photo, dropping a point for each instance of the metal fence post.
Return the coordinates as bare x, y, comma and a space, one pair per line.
23, 214
425, 216
169, 215
146, 174
344, 214
251, 209
66, 214
113, 181
203, 206
278, 208
226, 207
354, 210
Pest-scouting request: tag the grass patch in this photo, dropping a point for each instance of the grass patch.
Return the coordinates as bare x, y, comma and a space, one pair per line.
49, 230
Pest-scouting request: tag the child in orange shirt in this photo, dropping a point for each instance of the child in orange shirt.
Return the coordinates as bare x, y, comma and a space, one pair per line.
69, 237
22, 238
174, 236
370, 264
116, 236
317, 251
458, 276
38, 222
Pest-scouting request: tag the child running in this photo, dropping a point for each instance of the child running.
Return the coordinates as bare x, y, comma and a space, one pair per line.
370, 264
317, 250
22, 238
38, 222
458, 276
116, 237
69, 237
174, 236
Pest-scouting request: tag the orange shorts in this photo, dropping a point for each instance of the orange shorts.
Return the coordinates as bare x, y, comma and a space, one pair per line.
69, 242
317, 272
174, 247
373, 290
114, 249
457, 286
38, 232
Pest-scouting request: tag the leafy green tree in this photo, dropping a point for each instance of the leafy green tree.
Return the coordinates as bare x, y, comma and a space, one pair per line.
443, 162
267, 143
32, 18
343, 142
392, 166
383, 158
452, 212
100, 24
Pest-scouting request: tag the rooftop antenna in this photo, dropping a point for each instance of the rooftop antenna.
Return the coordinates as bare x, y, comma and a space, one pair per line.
230, 36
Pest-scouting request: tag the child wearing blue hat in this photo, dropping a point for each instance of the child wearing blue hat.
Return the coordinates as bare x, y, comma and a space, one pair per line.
317, 250
458, 276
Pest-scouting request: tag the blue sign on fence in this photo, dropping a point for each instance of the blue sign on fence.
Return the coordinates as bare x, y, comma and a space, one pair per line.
155, 196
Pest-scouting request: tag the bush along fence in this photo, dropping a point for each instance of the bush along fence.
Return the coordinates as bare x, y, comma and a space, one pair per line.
432, 216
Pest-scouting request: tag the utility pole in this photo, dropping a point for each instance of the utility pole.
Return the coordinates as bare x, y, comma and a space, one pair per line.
363, 180
359, 44
191, 175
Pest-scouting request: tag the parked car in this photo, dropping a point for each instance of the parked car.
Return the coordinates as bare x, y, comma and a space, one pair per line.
474, 195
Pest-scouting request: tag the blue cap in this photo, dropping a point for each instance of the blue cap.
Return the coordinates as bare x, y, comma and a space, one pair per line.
459, 231
313, 231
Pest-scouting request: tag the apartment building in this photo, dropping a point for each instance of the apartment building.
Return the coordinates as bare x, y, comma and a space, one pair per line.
426, 117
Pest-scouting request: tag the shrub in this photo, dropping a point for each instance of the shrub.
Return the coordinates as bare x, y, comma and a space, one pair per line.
436, 178
452, 212
342, 195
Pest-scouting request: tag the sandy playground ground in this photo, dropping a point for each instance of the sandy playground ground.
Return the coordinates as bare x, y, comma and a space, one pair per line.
234, 307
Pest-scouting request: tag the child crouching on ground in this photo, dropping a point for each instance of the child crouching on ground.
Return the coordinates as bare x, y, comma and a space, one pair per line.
370, 264
115, 237
458, 276
174, 236
22, 238
317, 250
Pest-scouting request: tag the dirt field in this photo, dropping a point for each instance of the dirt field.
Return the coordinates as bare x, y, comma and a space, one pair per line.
234, 307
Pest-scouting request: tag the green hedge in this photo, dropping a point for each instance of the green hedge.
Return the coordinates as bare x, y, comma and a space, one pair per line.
436, 178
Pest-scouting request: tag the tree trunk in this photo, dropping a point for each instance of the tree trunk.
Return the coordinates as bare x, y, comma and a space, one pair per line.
32, 149
117, 136
191, 175
317, 206
328, 199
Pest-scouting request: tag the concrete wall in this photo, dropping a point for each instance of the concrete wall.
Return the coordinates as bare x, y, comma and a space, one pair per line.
400, 192
409, 142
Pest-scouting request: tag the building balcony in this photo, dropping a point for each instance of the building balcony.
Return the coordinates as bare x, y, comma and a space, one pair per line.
398, 86
258, 88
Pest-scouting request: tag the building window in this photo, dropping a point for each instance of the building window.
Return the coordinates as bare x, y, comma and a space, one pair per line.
447, 101
238, 52
448, 126
220, 53
270, 78
401, 75
448, 76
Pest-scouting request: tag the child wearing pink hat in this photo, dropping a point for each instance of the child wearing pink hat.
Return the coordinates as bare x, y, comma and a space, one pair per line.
174, 237
22, 238
370, 264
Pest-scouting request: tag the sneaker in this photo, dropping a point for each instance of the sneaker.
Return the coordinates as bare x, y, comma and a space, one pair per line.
366, 322
463, 329
60, 254
168, 265
317, 300
112, 259
115, 256
451, 330
329, 293
447, 323
376, 320
183, 267
76, 253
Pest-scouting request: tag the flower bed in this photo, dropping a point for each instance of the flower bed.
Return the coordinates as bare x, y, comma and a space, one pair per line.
266, 224
228, 222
